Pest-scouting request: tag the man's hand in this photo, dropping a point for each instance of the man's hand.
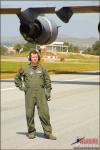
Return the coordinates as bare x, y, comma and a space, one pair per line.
48, 96
49, 99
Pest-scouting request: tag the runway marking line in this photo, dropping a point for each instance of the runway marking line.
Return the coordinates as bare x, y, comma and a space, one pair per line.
6, 89
13, 88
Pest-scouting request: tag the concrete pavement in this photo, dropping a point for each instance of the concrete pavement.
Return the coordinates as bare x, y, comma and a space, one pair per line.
74, 111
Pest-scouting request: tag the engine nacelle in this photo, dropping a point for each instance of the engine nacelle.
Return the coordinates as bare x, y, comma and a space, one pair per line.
41, 31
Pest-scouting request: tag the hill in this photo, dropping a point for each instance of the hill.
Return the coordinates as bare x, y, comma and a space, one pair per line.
80, 42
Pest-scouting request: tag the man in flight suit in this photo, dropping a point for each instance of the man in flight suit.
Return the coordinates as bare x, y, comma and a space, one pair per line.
34, 80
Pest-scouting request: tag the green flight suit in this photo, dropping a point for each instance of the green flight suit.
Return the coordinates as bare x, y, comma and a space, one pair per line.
37, 88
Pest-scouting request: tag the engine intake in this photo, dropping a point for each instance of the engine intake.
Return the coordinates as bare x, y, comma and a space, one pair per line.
41, 31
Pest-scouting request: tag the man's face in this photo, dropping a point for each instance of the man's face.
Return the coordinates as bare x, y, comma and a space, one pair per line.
34, 58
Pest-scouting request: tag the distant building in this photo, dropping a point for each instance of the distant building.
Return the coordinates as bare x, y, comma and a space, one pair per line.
55, 47
11, 50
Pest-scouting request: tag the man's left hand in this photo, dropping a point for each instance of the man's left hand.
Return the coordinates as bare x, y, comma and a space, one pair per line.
48, 96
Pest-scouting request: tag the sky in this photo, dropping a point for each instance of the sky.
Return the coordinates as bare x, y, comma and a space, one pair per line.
79, 26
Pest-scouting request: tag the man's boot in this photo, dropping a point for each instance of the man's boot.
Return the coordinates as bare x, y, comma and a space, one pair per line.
50, 136
31, 135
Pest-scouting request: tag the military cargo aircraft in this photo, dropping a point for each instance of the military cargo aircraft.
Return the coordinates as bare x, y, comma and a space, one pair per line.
38, 29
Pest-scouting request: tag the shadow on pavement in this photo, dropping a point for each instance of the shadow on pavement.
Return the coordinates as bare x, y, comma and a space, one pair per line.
38, 134
76, 82
66, 82
81, 73
69, 82
22, 133
7, 80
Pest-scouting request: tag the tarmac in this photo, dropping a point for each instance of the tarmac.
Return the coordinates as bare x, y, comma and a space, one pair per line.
74, 113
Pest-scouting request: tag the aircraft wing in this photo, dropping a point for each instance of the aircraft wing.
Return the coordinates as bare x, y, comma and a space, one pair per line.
38, 29
40, 10
85, 9
18, 10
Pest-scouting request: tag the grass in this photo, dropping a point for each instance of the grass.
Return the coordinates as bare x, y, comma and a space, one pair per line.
72, 63
9, 69
7, 75
71, 67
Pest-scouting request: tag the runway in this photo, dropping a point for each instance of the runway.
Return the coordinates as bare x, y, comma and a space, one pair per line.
74, 112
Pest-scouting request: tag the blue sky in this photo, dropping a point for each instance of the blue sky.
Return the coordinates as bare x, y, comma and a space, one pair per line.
80, 25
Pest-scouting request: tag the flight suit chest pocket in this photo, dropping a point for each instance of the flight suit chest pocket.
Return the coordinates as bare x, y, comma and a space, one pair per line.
40, 78
28, 78
39, 74
29, 75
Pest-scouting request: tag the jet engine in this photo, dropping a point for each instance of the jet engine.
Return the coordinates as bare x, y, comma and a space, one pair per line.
40, 31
